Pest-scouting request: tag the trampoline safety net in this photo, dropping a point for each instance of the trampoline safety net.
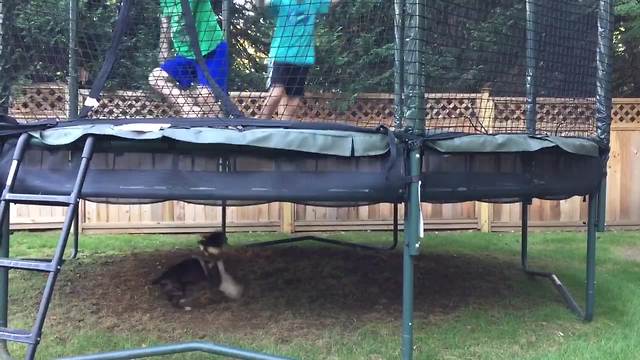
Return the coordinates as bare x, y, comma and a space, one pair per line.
512, 66
492, 66
344, 59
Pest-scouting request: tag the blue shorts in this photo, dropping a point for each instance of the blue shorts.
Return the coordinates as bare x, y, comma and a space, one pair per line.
186, 71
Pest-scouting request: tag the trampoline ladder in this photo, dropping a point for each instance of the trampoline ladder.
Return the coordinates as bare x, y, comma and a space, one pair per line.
52, 267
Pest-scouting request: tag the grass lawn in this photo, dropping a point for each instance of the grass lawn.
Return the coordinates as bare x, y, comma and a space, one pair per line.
316, 301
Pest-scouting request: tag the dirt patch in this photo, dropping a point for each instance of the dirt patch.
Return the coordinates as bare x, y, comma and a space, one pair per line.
289, 291
630, 253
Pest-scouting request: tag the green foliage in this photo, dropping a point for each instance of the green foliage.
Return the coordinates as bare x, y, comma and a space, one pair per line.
471, 43
626, 79
355, 45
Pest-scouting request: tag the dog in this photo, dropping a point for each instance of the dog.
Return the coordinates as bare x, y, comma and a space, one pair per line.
209, 269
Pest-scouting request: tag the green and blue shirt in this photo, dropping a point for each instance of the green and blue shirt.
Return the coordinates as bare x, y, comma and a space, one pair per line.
210, 34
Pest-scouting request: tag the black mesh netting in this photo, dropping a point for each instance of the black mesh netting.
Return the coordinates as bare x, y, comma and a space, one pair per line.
478, 56
342, 54
316, 60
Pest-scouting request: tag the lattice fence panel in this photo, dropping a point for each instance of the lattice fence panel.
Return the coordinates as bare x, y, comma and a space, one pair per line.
466, 112
130, 104
555, 116
40, 101
626, 111
453, 111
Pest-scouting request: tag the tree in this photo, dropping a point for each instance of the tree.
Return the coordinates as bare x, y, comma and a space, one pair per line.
626, 77
470, 43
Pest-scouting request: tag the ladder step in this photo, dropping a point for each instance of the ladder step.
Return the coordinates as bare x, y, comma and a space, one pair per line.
35, 265
57, 200
16, 335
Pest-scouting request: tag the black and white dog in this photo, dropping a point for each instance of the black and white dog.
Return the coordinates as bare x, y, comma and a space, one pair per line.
209, 269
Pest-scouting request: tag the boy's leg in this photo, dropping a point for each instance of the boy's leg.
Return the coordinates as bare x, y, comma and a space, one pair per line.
161, 81
292, 105
276, 93
172, 79
280, 75
295, 91
206, 101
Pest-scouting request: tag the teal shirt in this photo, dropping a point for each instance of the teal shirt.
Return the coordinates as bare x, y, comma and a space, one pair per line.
294, 36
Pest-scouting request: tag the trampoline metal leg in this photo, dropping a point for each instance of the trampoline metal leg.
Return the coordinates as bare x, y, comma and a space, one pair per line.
396, 229
524, 241
591, 257
224, 218
76, 236
411, 247
4, 284
602, 207
569, 300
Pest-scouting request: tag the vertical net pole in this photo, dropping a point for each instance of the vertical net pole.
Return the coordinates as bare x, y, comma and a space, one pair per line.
603, 93
226, 28
532, 54
3, 106
5, 90
399, 6
6, 10
414, 63
73, 60
604, 64
414, 107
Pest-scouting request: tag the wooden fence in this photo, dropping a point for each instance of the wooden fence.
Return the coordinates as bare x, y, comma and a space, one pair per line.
623, 198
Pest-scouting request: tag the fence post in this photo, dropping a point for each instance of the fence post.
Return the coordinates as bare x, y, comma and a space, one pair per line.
487, 109
287, 217
487, 119
485, 216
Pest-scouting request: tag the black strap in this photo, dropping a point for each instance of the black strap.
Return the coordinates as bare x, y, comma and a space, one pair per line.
228, 107
413, 179
110, 58
9, 126
393, 150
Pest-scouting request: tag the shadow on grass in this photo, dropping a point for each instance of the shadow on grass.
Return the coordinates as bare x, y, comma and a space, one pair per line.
289, 292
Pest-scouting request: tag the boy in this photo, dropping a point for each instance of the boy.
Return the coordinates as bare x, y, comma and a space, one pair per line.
292, 51
176, 75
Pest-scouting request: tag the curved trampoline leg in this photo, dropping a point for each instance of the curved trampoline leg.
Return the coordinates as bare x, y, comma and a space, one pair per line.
587, 313
289, 240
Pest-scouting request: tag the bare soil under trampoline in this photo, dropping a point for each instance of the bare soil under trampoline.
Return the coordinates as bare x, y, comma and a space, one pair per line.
290, 292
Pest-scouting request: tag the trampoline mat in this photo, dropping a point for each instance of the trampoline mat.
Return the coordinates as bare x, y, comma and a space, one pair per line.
141, 171
341, 166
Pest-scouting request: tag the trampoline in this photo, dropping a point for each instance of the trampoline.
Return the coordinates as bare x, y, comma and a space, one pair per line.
428, 153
